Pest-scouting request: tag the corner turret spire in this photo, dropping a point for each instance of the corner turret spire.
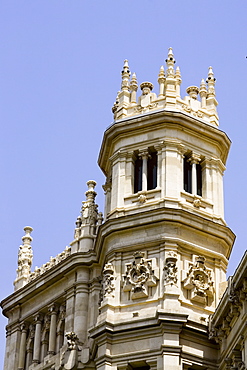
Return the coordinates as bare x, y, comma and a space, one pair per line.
25, 258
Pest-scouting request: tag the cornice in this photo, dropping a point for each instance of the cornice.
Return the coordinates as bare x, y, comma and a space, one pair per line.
158, 118
54, 274
160, 215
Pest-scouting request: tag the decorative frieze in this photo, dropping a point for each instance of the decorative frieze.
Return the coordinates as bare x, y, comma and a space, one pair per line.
48, 265
139, 275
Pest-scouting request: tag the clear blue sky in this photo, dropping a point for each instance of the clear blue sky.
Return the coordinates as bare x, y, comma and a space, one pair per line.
60, 64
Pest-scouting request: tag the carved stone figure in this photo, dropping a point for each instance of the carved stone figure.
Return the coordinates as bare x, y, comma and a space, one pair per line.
171, 269
108, 280
139, 275
69, 358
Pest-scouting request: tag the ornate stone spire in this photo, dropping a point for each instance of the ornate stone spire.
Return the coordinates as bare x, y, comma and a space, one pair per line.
124, 95
211, 82
178, 81
170, 61
125, 76
87, 222
133, 88
25, 258
203, 93
161, 80
171, 82
211, 102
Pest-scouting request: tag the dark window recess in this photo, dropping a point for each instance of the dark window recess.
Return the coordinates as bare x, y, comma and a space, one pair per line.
152, 171
138, 175
187, 175
199, 179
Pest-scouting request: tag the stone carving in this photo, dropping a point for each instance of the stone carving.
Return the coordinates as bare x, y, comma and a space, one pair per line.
25, 258
69, 358
139, 275
108, 280
199, 281
171, 269
89, 218
48, 265
142, 199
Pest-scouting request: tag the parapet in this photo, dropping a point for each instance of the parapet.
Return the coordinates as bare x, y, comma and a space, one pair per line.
200, 101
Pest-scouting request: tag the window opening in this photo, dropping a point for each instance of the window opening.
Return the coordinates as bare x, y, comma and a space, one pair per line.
199, 179
138, 175
187, 175
152, 171
151, 174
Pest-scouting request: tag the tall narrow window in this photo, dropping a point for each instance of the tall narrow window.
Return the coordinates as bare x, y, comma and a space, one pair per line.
152, 171
138, 175
187, 175
192, 174
199, 179
145, 171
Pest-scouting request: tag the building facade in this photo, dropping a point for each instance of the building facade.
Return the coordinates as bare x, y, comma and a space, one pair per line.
141, 289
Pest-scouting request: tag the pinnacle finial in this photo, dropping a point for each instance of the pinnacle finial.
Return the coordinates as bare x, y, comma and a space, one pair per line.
161, 73
91, 193
125, 76
133, 82
170, 61
211, 82
210, 73
170, 53
178, 74
27, 237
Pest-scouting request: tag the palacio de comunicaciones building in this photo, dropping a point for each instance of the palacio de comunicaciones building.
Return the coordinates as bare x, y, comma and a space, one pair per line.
143, 287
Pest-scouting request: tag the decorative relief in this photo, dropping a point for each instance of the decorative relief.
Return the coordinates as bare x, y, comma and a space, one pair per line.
53, 261
188, 109
108, 285
234, 303
142, 199
69, 358
199, 282
140, 109
171, 269
139, 276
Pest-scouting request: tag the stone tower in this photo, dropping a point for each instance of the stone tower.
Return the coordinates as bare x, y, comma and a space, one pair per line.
136, 290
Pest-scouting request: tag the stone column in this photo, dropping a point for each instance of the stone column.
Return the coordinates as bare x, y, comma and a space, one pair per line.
194, 160
144, 155
81, 304
129, 176
60, 328
37, 339
158, 149
22, 351
70, 304
53, 329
